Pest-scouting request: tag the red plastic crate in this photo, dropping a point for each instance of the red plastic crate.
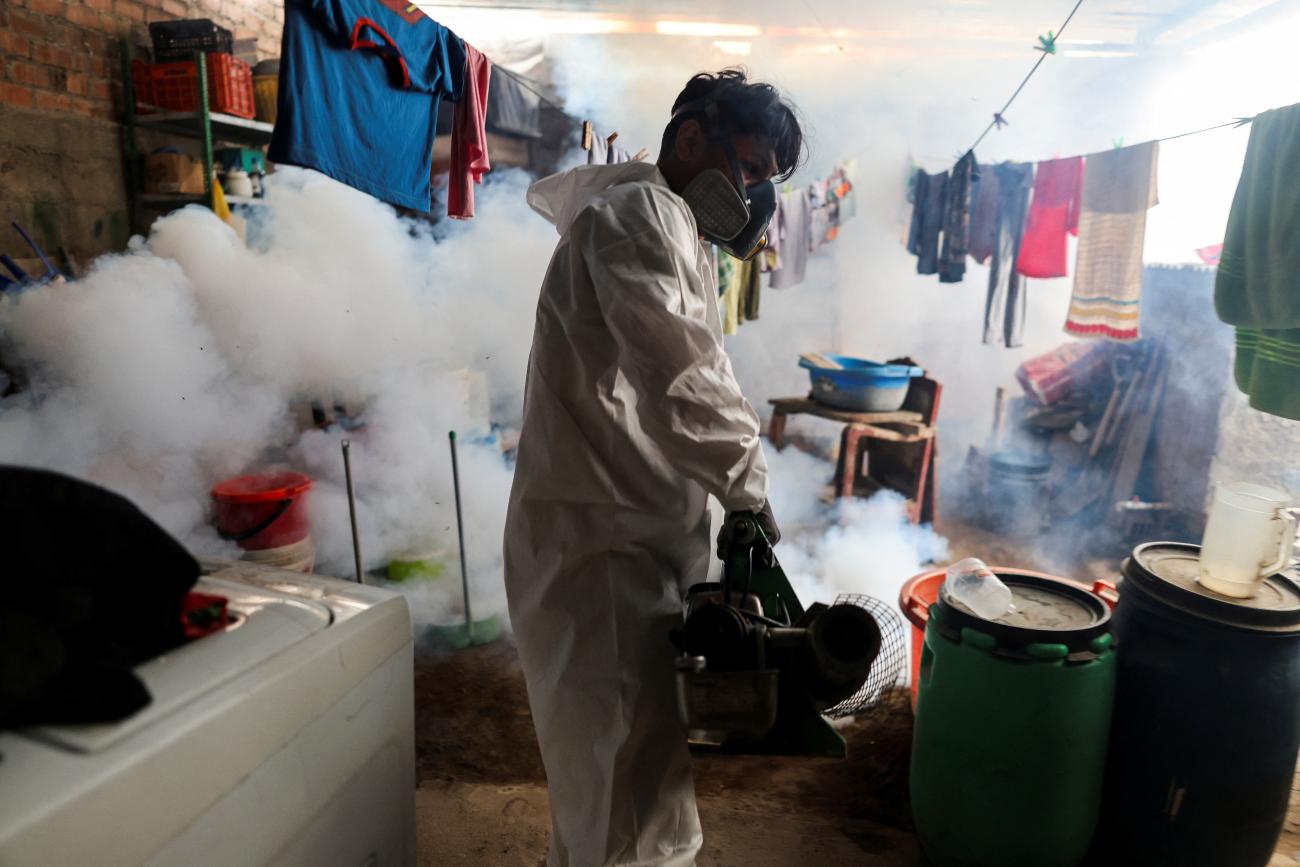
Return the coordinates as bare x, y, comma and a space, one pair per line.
175, 86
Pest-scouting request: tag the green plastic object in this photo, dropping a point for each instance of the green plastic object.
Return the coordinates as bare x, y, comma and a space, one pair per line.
1009, 749
458, 636
427, 569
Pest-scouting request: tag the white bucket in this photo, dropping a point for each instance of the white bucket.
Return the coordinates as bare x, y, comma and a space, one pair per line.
298, 557
1249, 536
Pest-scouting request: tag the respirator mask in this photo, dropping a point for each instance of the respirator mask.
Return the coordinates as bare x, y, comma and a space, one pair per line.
728, 213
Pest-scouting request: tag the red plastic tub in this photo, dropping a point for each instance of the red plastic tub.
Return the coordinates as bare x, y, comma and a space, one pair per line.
921, 591
263, 510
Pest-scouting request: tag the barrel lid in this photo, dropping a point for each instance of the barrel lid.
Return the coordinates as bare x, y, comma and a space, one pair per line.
1168, 571
1047, 611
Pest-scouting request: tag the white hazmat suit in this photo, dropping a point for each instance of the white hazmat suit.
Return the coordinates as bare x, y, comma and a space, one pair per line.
632, 415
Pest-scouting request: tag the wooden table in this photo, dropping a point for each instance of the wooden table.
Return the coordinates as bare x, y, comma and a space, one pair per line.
894, 450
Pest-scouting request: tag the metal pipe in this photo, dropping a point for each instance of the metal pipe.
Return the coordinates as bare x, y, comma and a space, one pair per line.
460, 529
352, 510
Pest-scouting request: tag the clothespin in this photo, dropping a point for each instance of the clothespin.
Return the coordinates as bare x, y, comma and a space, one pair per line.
641, 154
1118, 143
1046, 44
588, 132
1242, 121
610, 141
999, 121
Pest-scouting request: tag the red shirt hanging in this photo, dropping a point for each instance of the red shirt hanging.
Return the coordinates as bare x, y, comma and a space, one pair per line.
1053, 213
469, 150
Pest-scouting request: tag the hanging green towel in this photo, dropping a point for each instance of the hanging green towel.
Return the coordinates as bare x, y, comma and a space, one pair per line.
1256, 286
1268, 369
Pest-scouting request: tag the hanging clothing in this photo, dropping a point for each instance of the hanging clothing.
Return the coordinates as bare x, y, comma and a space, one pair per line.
928, 220
603, 153
632, 417
770, 258
469, 150
729, 293
956, 220
513, 109
1053, 214
1255, 288
1267, 368
824, 225
360, 85
985, 201
1005, 304
1118, 189
751, 289
796, 232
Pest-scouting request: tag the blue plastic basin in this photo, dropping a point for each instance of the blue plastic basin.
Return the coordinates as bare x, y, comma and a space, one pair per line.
862, 386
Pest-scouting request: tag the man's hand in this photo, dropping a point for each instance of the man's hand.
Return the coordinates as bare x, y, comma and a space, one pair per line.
766, 522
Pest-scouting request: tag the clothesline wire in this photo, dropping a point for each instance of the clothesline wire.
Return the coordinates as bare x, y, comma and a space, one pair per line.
524, 83
1000, 116
1241, 121
825, 30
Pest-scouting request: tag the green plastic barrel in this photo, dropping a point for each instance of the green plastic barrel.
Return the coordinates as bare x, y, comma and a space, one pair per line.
1012, 719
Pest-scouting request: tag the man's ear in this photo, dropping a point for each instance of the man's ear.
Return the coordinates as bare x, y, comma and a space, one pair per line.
691, 143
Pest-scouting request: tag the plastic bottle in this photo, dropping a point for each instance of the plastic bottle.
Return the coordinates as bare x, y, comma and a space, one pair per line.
975, 586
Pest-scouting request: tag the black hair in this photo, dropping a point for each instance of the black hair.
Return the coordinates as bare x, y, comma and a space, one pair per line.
747, 108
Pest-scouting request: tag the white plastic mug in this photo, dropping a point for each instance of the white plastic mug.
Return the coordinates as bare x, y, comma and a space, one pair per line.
1249, 536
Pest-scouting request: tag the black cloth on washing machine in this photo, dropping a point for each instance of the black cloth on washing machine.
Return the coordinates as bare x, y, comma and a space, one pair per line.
90, 588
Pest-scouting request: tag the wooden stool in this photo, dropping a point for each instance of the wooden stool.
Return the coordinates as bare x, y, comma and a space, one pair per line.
894, 450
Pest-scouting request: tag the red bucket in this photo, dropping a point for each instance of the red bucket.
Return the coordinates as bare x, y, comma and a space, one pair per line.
922, 591
264, 510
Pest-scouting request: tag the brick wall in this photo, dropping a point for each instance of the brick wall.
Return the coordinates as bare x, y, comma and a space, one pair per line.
61, 167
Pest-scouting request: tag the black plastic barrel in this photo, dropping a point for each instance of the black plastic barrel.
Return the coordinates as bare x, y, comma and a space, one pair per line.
1207, 717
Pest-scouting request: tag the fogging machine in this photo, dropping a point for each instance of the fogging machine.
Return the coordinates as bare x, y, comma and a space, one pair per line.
756, 669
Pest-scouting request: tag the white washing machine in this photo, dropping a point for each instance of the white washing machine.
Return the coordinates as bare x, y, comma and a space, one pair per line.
286, 740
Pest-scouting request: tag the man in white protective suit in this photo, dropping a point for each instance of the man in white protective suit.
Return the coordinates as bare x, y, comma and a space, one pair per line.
632, 417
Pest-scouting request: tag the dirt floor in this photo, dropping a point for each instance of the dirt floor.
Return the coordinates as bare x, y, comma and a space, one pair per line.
482, 798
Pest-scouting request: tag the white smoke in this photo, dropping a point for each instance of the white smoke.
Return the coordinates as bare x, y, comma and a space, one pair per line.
848, 546
182, 362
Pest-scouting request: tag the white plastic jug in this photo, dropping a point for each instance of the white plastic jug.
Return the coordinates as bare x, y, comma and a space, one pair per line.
1249, 536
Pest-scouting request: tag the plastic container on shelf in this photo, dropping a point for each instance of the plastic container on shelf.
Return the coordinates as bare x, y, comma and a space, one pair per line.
175, 86
179, 40
266, 88
860, 385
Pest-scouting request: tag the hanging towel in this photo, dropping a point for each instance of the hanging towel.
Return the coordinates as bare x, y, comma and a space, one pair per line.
360, 85
1054, 213
1005, 304
1255, 288
985, 199
1118, 188
1256, 285
956, 221
796, 232
469, 150
927, 220
1267, 368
